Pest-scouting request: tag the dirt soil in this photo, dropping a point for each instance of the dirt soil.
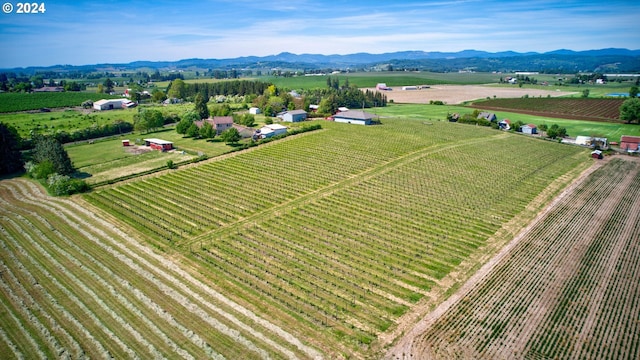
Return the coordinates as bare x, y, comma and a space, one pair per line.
458, 94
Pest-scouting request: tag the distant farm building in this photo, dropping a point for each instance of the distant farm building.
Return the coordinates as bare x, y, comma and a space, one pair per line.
529, 129
630, 143
49, 89
487, 116
313, 107
111, 104
294, 116
343, 109
270, 130
592, 141
596, 154
382, 86
354, 117
505, 124
254, 111
409, 88
158, 144
125, 143
219, 123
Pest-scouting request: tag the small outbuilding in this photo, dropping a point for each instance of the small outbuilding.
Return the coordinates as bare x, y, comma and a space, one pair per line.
488, 116
529, 129
125, 143
354, 117
158, 144
254, 111
270, 130
596, 154
294, 116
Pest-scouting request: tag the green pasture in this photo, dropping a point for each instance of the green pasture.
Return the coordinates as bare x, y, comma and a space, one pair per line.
64, 120
574, 128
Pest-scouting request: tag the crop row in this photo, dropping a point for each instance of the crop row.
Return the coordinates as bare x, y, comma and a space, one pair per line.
598, 109
106, 295
566, 290
203, 198
361, 255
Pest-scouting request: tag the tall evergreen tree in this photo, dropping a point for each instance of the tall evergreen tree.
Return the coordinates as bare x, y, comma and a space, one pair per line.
49, 149
201, 106
10, 157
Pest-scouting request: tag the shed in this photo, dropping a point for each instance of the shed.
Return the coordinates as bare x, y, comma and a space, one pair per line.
294, 116
354, 117
254, 111
125, 143
270, 130
529, 129
487, 116
596, 154
158, 144
629, 143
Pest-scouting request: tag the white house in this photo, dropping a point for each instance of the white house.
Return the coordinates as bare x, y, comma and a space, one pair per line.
354, 117
254, 111
110, 104
294, 116
270, 130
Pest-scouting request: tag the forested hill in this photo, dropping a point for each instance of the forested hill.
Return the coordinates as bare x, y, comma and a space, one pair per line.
561, 61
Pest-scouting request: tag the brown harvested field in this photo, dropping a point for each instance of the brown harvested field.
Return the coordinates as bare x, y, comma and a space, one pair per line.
565, 288
457, 94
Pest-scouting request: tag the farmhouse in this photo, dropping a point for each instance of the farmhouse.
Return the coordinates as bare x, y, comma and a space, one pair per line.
270, 130
487, 116
354, 117
294, 116
110, 104
219, 123
529, 129
158, 144
630, 143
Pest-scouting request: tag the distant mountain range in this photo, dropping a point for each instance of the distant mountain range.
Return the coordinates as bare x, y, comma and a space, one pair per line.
563, 60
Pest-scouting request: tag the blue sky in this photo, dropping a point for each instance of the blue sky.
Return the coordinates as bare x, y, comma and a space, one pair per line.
113, 31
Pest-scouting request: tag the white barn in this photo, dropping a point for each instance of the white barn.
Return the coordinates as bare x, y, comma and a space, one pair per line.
110, 104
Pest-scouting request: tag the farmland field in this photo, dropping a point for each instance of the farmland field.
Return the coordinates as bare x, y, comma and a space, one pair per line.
567, 108
335, 235
566, 288
76, 286
11, 102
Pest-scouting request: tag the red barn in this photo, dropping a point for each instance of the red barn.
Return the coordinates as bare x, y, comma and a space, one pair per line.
629, 143
158, 144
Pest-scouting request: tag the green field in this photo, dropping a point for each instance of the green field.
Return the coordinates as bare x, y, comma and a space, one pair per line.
309, 231
613, 131
11, 102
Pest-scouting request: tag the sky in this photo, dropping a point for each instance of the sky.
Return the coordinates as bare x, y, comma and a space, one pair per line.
113, 31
